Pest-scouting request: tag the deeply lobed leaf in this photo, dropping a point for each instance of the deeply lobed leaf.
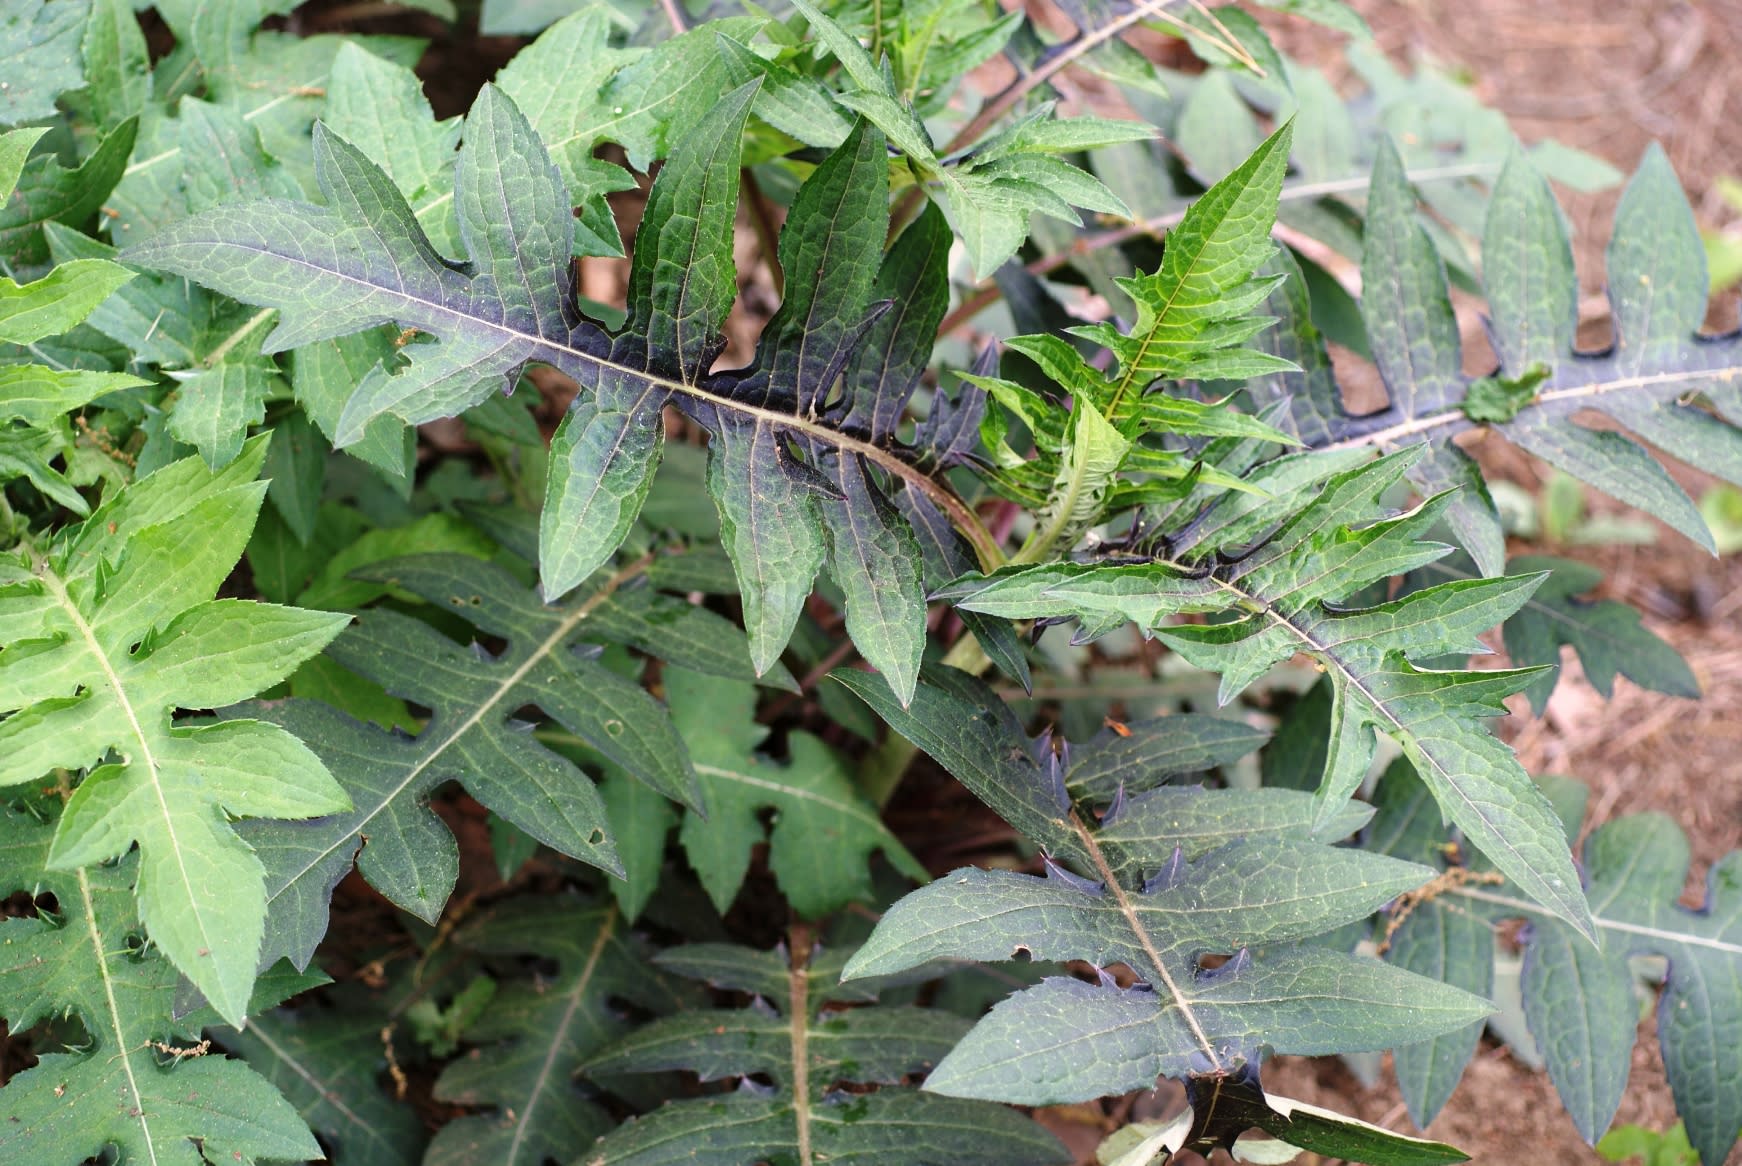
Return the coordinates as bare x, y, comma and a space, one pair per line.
110, 631
1286, 594
126, 1088
549, 661
809, 1050
364, 259
1579, 999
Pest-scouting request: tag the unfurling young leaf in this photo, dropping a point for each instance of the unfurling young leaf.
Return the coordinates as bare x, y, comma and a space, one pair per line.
533, 708
1194, 315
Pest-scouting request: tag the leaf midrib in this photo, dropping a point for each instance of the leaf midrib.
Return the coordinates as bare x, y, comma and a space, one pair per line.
550, 643
961, 516
583, 981
101, 956
1455, 420
290, 94
1601, 921
1150, 338
327, 1094
57, 588
1111, 882
846, 808
1329, 653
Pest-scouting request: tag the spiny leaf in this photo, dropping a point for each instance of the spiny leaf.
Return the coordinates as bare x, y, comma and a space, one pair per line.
1193, 319
124, 1088
58, 300
39, 395
1207, 885
363, 259
117, 65
808, 1050
682, 285
1286, 594
1662, 379
15, 147
1606, 634
107, 633
1065, 1040
1151, 751
1191, 310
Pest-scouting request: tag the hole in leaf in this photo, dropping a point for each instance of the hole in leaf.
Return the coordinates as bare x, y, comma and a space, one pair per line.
1123, 974
1023, 953
19, 905
1511, 935
596, 837
614, 728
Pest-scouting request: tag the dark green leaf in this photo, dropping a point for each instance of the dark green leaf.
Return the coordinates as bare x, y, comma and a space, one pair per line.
540, 1029
808, 1051
1287, 595
47, 192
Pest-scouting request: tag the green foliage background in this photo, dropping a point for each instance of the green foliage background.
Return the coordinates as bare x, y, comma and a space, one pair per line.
339, 532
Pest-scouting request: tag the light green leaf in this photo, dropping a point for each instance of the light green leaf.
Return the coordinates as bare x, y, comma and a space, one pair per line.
39, 55
117, 1090
57, 301
79, 687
